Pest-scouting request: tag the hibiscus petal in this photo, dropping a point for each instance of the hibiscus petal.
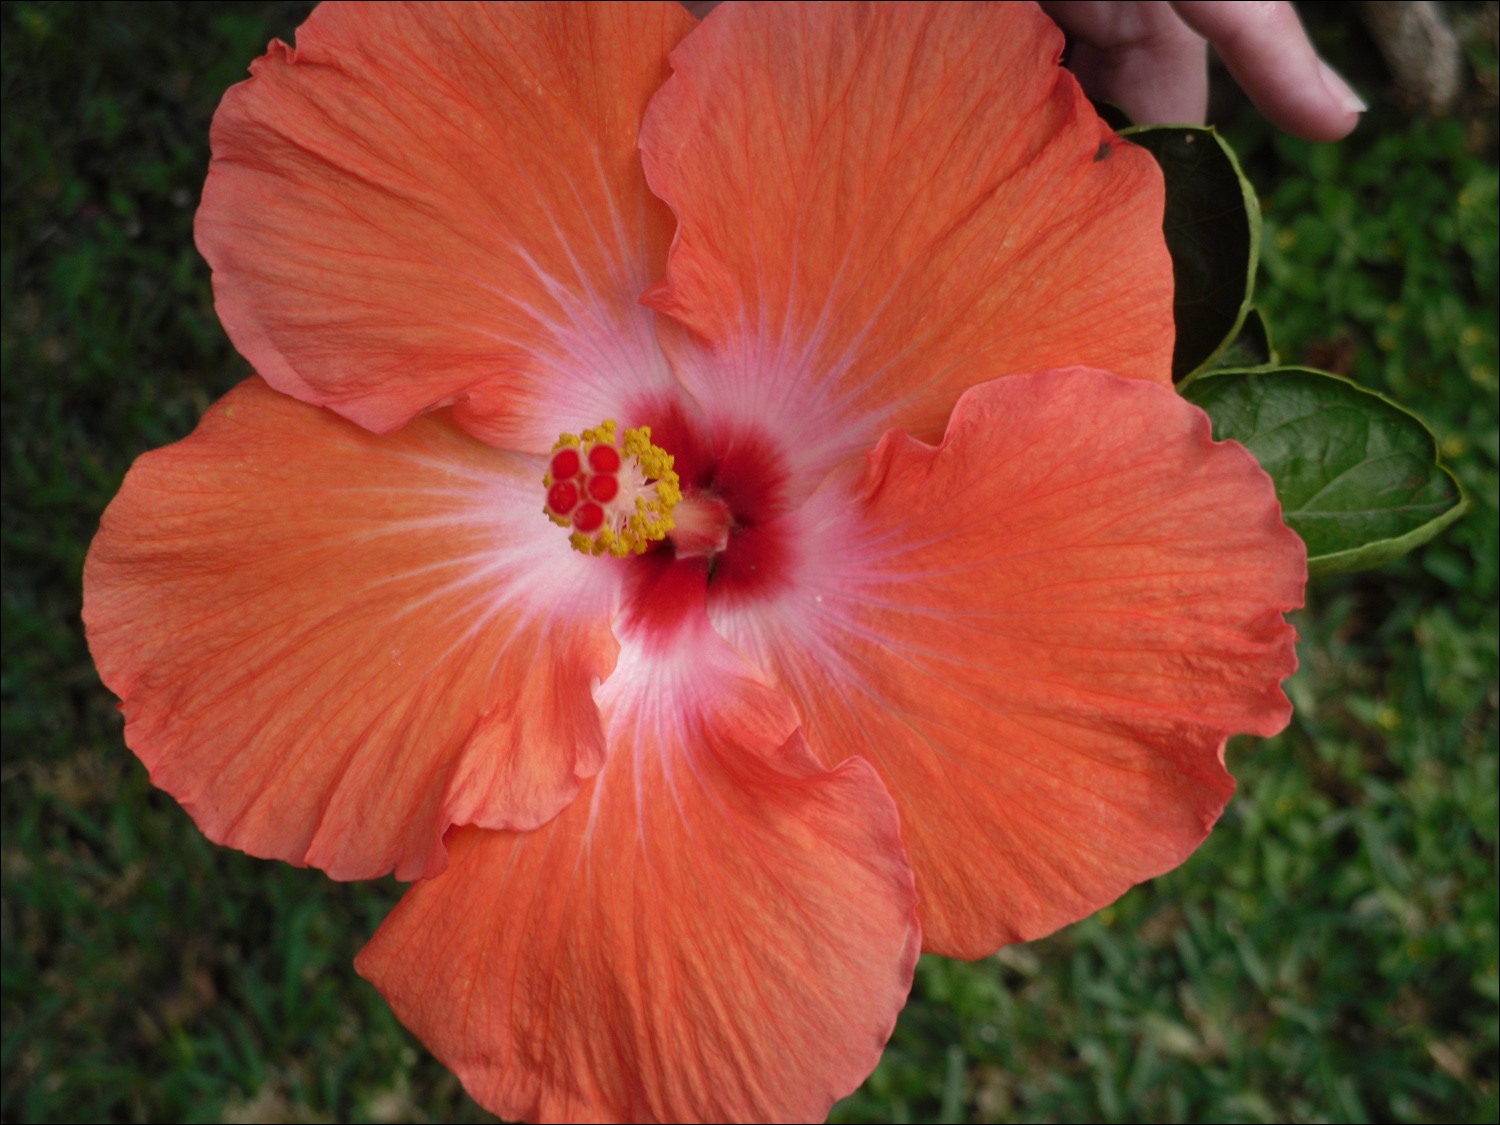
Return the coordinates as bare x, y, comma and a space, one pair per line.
718, 929
331, 646
1040, 633
443, 202
881, 205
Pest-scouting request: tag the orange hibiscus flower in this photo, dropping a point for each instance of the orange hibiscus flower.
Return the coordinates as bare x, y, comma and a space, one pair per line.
930, 636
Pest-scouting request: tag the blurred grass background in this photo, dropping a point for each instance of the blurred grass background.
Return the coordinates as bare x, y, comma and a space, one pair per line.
1329, 955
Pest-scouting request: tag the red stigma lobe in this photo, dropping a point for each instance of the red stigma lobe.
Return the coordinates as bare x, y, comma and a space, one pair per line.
604, 488
562, 497
590, 517
604, 459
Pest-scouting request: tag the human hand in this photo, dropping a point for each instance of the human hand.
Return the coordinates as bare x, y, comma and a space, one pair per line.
1149, 58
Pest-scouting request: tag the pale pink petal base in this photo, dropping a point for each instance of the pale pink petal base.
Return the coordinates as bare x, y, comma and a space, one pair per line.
717, 930
331, 645
1040, 632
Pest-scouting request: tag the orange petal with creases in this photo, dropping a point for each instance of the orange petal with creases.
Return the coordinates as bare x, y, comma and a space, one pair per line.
333, 645
425, 204
1041, 633
881, 205
718, 929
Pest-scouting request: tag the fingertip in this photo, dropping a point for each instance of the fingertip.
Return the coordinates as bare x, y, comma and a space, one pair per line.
1350, 103
1339, 90
1268, 53
1327, 114
1324, 122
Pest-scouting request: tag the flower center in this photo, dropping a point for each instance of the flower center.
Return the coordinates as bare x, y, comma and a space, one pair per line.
616, 495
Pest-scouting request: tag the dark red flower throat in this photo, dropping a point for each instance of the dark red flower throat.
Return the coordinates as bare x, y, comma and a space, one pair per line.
731, 540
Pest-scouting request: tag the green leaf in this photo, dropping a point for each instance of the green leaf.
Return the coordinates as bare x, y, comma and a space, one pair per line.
1212, 227
1357, 476
1250, 348
1112, 115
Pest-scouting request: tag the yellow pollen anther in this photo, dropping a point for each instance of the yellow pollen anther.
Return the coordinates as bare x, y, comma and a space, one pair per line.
616, 491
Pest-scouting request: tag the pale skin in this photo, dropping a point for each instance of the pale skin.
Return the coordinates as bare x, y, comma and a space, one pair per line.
1150, 58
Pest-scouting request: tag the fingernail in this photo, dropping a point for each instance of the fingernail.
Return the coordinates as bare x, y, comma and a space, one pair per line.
1333, 82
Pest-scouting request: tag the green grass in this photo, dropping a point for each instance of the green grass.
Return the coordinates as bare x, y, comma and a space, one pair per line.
1329, 954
